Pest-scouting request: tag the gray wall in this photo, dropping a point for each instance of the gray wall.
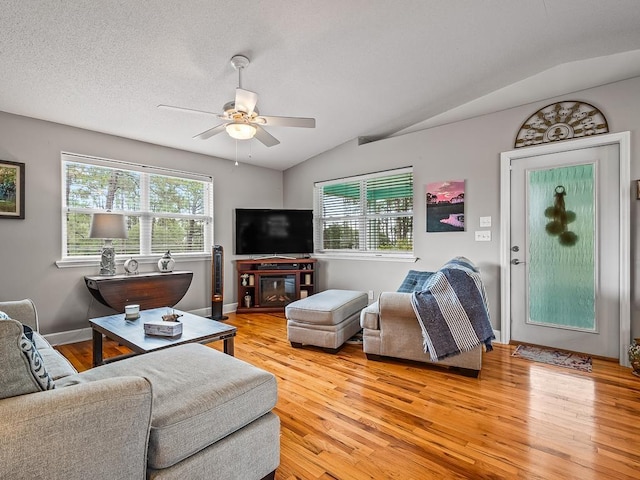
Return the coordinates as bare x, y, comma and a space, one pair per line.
30, 247
467, 150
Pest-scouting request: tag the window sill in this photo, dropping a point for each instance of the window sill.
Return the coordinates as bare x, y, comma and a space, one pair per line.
70, 262
377, 257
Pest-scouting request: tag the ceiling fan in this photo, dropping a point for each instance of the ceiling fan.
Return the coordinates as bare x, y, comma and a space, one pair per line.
241, 119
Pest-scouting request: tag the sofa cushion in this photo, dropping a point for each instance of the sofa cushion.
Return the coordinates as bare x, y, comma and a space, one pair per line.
40, 342
200, 395
414, 281
330, 307
23, 369
57, 365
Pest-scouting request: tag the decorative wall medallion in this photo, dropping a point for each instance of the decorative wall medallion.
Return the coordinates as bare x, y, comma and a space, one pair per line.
561, 121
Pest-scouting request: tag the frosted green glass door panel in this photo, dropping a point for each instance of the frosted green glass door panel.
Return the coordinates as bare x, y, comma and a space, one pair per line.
561, 267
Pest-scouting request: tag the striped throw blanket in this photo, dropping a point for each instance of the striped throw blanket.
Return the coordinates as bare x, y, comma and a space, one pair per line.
452, 311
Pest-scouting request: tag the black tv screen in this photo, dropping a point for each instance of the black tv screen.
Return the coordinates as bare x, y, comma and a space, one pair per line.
273, 231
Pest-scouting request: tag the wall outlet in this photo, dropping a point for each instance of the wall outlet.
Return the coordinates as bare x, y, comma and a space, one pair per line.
483, 235
370, 294
485, 222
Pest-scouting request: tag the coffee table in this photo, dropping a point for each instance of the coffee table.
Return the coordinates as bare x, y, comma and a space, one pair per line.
130, 333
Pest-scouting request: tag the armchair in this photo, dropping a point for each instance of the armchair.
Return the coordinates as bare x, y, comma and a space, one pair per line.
391, 329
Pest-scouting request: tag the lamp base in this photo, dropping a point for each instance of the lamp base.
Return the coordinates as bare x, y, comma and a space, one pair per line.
108, 260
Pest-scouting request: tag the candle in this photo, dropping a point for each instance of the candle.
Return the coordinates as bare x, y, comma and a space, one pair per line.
131, 311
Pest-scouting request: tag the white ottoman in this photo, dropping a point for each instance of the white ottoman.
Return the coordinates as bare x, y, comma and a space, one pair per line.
326, 319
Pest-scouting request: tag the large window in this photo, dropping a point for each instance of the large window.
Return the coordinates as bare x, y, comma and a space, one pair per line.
165, 209
365, 214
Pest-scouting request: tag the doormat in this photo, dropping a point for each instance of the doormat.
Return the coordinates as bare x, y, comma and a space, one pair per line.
553, 356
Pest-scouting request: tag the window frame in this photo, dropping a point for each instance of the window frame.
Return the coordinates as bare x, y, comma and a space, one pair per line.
361, 254
144, 254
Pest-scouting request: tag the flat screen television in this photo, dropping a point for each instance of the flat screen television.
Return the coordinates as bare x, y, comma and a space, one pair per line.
262, 231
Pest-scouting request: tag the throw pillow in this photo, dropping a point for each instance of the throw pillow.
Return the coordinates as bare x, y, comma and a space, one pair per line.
23, 367
414, 281
36, 364
27, 330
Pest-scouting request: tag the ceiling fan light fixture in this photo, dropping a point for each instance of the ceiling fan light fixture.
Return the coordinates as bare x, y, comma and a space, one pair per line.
241, 118
241, 131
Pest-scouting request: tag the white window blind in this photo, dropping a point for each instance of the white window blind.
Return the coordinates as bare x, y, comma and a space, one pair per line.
369, 213
165, 209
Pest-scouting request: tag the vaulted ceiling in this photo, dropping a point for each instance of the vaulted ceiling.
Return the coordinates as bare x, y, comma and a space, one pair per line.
361, 68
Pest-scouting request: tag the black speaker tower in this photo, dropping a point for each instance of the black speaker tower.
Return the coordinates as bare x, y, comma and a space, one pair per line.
217, 283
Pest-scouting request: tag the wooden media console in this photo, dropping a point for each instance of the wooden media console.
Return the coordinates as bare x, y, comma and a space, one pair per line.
268, 285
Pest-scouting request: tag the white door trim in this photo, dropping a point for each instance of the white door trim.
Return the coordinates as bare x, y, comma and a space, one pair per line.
623, 140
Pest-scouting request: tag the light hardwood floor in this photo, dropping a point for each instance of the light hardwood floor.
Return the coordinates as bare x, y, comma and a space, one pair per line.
345, 417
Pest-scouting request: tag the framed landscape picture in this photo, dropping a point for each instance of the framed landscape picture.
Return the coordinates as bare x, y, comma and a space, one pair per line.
445, 206
11, 189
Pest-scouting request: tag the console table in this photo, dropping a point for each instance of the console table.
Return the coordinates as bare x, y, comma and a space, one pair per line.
149, 290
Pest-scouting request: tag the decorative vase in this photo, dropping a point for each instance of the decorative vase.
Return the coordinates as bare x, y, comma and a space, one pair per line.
634, 356
247, 300
166, 263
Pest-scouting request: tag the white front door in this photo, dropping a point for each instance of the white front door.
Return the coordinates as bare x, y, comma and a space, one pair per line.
565, 249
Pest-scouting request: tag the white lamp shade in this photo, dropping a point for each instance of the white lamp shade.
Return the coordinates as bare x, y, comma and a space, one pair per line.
241, 131
108, 225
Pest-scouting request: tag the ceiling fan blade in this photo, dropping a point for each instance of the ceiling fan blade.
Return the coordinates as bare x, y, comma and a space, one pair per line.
286, 121
245, 100
211, 132
265, 137
190, 110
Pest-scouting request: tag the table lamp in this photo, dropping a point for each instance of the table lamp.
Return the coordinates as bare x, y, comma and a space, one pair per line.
108, 226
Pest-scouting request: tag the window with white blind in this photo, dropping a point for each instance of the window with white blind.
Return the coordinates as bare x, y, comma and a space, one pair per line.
165, 209
365, 214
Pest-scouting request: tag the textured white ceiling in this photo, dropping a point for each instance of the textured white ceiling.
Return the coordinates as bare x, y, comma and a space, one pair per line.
362, 68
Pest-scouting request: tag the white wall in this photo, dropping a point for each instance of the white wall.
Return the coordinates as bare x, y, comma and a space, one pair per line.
29, 247
467, 150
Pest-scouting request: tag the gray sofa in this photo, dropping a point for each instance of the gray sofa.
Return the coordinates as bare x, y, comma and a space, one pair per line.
390, 329
187, 412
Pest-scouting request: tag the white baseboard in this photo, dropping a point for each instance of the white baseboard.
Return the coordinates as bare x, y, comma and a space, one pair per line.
70, 336
84, 334
498, 336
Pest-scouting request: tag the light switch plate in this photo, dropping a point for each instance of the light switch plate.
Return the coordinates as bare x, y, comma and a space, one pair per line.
483, 235
485, 221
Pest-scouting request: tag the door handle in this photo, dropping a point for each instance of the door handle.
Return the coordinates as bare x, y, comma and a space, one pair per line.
515, 261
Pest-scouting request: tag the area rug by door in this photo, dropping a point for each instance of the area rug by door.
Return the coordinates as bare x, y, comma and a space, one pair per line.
553, 356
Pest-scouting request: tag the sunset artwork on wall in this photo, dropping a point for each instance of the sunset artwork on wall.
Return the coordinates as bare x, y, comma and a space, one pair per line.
445, 206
